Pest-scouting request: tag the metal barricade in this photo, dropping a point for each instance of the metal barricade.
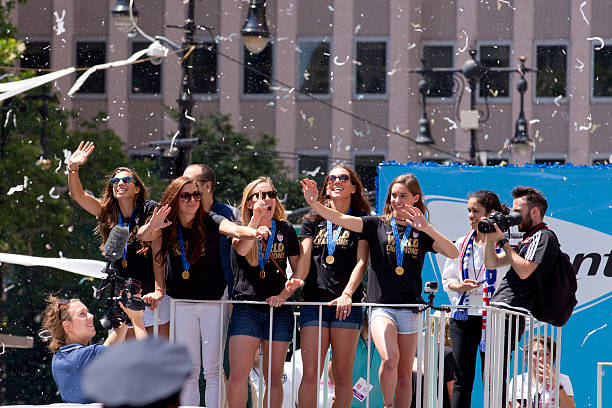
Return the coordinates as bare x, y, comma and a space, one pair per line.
509, 372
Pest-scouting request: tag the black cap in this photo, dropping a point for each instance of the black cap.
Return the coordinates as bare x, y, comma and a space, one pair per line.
137, 373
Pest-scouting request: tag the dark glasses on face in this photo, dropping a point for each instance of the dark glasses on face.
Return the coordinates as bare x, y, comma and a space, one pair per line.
341, 177
126, 180
186, 197
263, 195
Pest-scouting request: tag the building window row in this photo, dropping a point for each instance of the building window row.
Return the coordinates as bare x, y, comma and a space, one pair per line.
315, 62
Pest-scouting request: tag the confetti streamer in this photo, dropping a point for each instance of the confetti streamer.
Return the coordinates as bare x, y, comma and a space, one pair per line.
580, 66
452, 122
52, 193
59, 23
584, 3
340, 63
460, 50
591, 332
601, 40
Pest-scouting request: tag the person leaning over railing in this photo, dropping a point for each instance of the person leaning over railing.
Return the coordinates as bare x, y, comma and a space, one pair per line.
395, 275
124, 202
333, 262
185, 239
259, 275
71, 328
469, 283
543, 379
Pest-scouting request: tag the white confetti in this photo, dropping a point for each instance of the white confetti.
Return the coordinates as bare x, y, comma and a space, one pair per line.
8, 116
506, 2
312, 173
601, 40
331, 8
558, 99
584, 3
589, 126
19, 187
460, 50
534, 121
341, 63
59, 22
452, 122
580, 65
52, 193
411, 46
591, 332
357, 28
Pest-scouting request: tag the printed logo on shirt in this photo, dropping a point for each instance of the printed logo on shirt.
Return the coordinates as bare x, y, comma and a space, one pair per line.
279, 237
415, 234
412, 246
278, 250
321, 238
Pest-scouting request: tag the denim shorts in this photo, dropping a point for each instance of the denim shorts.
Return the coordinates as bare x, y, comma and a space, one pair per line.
407, 321
309, 316
247, 320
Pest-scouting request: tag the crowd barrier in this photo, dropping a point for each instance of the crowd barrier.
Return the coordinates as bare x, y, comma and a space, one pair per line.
508, 377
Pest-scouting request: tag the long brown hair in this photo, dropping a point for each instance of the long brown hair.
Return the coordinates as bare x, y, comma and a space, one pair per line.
412, 184
109, 215
53, 317
359, 204
170, 240
279, 213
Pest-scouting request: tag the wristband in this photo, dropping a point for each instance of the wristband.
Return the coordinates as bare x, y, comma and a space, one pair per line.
502, 242
344, 292
73, 171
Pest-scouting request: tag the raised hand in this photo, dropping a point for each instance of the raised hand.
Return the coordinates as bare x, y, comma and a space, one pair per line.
158, 220
259, 208
415, 217
311, 192
80, 155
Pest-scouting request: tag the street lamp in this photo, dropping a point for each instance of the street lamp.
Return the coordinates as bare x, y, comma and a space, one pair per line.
255, 29
473, 71
424, 139
184, 142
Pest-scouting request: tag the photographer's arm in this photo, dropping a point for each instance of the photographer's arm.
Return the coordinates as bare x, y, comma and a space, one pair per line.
117, 336
521, 266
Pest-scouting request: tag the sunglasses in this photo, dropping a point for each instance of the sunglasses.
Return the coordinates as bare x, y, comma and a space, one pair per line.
341, 177
60, 305
186, 197
262, 195
126, 180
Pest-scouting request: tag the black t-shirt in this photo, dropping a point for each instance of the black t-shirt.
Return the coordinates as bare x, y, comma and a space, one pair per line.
540, 246
206, 280
326, 282
384, 285
139, 266
248, 284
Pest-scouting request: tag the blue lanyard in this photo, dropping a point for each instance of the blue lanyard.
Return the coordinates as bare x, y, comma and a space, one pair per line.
399, 249
332, 239
121, 222
262, 259
186, 263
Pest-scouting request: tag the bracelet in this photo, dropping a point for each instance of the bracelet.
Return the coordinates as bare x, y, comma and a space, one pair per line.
502, 242
347, 293
73, 171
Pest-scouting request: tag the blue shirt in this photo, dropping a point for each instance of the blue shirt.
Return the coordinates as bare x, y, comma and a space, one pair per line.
231, 213
67, 366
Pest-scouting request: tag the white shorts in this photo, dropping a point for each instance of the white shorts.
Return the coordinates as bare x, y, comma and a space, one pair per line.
148, 317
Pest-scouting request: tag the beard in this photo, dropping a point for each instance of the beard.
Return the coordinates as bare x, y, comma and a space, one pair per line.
526, 224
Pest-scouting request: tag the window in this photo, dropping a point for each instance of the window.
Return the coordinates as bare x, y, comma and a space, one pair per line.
602, 71
313, 167
551, 62
146, 77
88, 55
497, 162
205, 70
440, 84
366, 168
313, 67
549, 161
371, 67
37, 55
256, 65
496, 84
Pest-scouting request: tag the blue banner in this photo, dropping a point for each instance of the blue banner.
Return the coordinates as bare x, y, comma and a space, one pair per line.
579, 212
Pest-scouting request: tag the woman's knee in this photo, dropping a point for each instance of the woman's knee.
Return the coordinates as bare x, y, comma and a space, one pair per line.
390, 361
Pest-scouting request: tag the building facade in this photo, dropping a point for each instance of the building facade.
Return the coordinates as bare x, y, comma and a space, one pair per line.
354, 57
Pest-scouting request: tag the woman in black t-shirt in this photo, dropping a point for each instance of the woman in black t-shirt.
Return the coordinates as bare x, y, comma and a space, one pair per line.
259, 274
332, 263
186, 242
395, 275
124, 202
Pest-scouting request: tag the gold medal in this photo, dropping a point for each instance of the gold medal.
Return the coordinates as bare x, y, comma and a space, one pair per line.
262, 274
399, 270
185, 274
124, 263
330, 259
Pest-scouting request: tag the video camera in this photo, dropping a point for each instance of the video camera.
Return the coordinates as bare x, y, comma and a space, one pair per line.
119, 286
503, 221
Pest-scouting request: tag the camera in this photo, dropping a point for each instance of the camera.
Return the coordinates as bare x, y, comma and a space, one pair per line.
119, 290
431, 287
503, 221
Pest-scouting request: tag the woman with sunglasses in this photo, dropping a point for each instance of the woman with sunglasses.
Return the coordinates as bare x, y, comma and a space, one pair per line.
185, 242
260, 275
333, 261
71, 327
124, 202
395, 275
468, 283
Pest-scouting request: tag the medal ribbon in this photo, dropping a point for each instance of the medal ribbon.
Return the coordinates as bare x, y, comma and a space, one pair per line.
186, 264
332, 238
262, 259
399, 249
121, 222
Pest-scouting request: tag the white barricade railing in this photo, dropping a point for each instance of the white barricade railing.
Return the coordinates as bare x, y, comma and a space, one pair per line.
501, 373
600, 374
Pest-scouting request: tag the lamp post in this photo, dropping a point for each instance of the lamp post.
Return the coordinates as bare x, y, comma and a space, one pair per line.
473, 71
